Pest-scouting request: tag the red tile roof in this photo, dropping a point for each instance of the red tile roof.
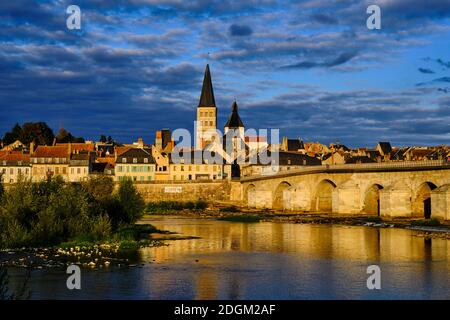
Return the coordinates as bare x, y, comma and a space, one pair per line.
15, 156
76, 147
51, 152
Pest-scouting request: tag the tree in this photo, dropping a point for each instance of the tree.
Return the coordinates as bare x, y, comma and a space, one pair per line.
40, 132
65, 136
101, 187
132, 202
13, 135
2, 189
103, 138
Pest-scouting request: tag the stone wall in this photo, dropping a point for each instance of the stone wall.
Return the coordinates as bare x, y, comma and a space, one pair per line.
184, 191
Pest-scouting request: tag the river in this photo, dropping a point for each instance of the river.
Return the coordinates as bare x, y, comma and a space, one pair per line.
265, 260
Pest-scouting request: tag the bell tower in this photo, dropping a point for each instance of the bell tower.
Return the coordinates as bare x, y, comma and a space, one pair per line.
206, 123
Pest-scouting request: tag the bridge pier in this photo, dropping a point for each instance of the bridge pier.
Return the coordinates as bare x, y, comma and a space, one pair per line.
395, 202
440, 202
346, 200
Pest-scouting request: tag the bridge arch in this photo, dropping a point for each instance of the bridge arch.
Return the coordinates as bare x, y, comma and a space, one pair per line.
278, 199
323, 196
372, 199
248, 191
421, 202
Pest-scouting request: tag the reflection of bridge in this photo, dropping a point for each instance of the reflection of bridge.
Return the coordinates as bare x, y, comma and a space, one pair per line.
391, 189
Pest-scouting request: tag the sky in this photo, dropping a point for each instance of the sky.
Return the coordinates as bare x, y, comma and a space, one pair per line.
311, 69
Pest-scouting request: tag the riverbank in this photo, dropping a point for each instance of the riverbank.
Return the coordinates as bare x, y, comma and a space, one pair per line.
118, 250
424, 228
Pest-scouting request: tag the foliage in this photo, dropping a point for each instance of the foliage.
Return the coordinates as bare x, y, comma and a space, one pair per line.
426, 223
64, 136
241, 218
101, 187
229, 209
168, 206
104, 139
132, 202
51, 212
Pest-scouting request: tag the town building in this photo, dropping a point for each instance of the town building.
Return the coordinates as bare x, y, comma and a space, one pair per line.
50, 161
14, 166
136, 164
194, 165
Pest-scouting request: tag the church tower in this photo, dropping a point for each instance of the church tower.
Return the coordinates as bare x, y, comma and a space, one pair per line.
206, 113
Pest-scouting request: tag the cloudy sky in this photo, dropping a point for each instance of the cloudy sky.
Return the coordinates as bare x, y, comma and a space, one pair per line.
309, 68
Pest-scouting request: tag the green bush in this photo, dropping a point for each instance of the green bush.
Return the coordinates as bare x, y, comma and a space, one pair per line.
51, 212
101, 227
229, 209
201, 205
241, 218
132, 202
426, 223
167, 206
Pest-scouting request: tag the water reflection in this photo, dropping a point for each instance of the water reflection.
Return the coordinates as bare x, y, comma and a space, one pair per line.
268, 261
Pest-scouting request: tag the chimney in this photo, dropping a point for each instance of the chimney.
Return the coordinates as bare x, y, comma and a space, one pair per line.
69, 148
54, 142
31, 148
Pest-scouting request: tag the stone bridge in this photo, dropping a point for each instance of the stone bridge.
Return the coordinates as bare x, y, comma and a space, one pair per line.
391, 189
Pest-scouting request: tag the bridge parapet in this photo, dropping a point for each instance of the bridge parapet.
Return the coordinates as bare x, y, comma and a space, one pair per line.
363, 167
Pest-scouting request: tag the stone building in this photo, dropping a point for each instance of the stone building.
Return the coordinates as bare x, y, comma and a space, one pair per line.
136, 164
194, 166
50, 161
14, 165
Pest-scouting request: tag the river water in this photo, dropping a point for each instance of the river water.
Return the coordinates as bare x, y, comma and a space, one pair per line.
265, 261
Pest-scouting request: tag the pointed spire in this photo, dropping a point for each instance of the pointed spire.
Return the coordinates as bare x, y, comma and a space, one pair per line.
234, 121
207, 96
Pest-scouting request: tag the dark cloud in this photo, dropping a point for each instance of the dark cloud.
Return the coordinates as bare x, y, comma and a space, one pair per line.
324, 18
425, 70
341, 59
240, 30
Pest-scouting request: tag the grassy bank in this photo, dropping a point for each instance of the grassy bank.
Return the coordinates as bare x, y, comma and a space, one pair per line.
242, 218
164, 207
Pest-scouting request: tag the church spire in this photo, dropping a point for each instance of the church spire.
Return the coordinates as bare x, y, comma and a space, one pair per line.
234, 121
207, 96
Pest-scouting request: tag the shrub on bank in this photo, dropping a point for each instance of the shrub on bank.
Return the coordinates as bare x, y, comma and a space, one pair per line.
242, 218
51, 212
426, 223
168, 206
229, 209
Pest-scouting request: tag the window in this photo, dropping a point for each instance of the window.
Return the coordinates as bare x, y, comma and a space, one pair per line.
78, 171
124, 160
57, 170
134, 160
145, 160
71, 170
174, 168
